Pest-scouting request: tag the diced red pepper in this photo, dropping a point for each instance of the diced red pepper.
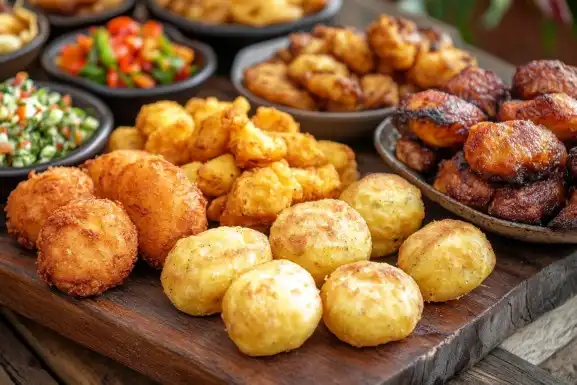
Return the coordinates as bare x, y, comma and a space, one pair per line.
21, 112
72, 51
72, 66
143, 81
20, 78
152, 29
121, 51
146, 65
65, 131
85, 42
112, 78
123, 25
59, 146
183, 74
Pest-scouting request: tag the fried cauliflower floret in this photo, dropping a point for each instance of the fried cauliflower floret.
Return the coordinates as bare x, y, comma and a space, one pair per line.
318, 182
301, 43
104, 170
272, 120
271, 309
567, 217
306, 64
352, 48
87, 247
302, 149
259, 195
557, 112
517, 151
379, 91
200, 268
437, 118
341, 89
201, 109
31, 203
163, 204
172, 136
212, 136
191, 171
270, 82
253, 147
125, 138
215, 177
343, 158
391, 207
259, 13
216, 208
544, 77
371, 303
435, 68
456, 179
396, 40
447, 259
155, 115
480, 87
416, 155
320, 236
533, 203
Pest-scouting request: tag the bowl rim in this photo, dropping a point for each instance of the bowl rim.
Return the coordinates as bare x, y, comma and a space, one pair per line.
237, 77
88, 149
36, 43
240, 30
201, 76
416, 179
60, 21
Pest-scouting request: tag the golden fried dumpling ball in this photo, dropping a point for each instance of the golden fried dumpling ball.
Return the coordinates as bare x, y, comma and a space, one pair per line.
395, 39
371, 303
318, 182
215, 177
302, 149
321, 236
447, 259
272, 120
435, 68
391, 207
31, 203
273, 308
87, 247
200, 109
211, 136
125, 138
191, 171
152, 115
200, 268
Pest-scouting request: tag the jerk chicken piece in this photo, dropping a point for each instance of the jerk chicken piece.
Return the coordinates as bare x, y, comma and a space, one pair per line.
544, 77
437, 118
415, 155
557, 112
567, 217
456, 179
481, 87
516, 151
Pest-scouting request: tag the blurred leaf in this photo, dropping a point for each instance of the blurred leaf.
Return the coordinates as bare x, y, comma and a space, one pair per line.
494, 14
413, 6
436, 8
548, 36
463, 12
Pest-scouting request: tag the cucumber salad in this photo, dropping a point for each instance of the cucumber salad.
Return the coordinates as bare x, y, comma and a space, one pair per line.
37, 125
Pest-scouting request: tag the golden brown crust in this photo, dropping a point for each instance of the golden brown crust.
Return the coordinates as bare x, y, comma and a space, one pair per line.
456, 179
435, 68
216, 208
437, 118
567, 217
532, 204
379, 91
334, 87
572, 164
544, 77
416, 155
305, 43
395, 39
352, 48
31, 203
481, 87
516, 151
87, 247
557, 112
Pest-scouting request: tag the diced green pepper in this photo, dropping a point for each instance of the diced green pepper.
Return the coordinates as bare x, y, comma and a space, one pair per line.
105, 51
163, 77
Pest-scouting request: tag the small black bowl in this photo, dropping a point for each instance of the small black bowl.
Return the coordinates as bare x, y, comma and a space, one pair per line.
19, 60
341, 126
11, 176
63, 24
126, 102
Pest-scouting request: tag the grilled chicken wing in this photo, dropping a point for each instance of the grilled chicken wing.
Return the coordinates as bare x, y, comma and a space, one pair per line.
379, 91
395, 39
516, 151
567, 217
544, 77
532, 204
416, 155
557, 112
456, 179
435, 68
437, 118
481, 87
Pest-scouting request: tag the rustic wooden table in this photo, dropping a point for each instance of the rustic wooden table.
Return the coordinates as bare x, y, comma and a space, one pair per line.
33, 354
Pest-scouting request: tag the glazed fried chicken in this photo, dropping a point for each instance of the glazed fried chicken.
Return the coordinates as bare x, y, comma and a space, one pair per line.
415, 155
544, 77
379, 91
481, 87
516, 151
567, 217
395, 39
557, 112
533, 204
435, 68
437, 118
456, 179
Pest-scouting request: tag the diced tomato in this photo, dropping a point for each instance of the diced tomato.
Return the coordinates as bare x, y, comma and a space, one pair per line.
123, 25
143, 81
72, 66
23, 144
112, 79
59, 146
146, 65
25, 94
65, 131
72, 51
121, 51
1, 96
21, 112
20, 78
183, 74
85, 42
152, 29
67, 100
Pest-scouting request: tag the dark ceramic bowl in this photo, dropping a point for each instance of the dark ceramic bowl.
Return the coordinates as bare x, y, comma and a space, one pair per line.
386, 137
11, 176
126, 102
19, 60
62, 24
340, 126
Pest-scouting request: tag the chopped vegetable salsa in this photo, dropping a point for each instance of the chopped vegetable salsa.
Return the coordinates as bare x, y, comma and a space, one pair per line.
127, 54
37, 125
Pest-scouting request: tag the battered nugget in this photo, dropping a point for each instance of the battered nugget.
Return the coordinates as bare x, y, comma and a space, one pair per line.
211, 137
125, 138
302, 150
567, 217
272, 120
379, 91
151, 116
163, 204
544, 77
352, 48
253, 147
87, 247
318, 182
31, 203
416, 155
395, 39
343, 158
517, 151
456, 179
